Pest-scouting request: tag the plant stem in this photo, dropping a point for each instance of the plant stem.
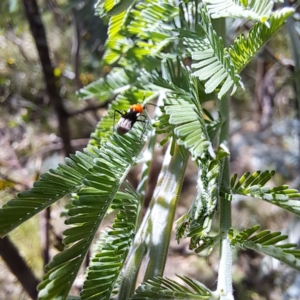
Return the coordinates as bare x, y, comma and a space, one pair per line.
33, 15
133, 264
162, 210
223, 106
155, 231
225, 268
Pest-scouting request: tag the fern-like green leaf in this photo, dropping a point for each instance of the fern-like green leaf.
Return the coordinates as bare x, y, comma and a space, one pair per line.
254, 10
118, 83
147, 32
254, 186
118, 80
164, 288
119, 154
56, 184
110, 256
244, 49
115, 26
267, 242
187, 126
291, 205
112, 7
151, 25
210, 62
116, 43
243, 235
197, 222
122, 103
183, 113
151, 20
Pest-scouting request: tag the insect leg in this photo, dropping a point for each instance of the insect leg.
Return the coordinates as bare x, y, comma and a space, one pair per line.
119, 112
145, 122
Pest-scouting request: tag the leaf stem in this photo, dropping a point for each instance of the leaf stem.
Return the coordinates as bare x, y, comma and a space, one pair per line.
132, 268
162, 210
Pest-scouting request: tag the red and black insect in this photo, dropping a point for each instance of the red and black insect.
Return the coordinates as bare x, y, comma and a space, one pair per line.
129, 118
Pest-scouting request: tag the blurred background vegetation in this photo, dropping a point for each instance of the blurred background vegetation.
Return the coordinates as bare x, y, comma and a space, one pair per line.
35, 131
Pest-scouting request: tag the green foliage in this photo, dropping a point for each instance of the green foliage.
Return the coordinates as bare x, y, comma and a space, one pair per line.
211, 62
105, 88
244, 49
111, 166
91, 172
151, 45
111, 7
52, 186
111, 253
105, 127
184, 115
252, 10
254, 186
136, 36
165, 288
268, 243
197, 222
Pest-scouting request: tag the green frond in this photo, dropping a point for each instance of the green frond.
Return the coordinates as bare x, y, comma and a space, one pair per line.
115, 25
168, 86
116, 44
243, 235
104, 128
115, 48
188, 125
118, 80
210, 62
183, 113
244, 49
190, 24
164, 288
112, 7
151, 25
152, 20
290, 205
258, 10
52, 186
147, 32
247, 181
177, 79
254, 186
110, 168
269, 243
197, 222
110, 256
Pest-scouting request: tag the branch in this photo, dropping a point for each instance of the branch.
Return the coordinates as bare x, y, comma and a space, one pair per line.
18, 267
39, 35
